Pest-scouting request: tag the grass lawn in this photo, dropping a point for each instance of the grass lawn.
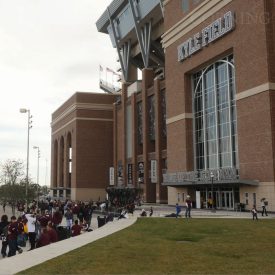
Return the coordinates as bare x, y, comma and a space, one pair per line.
173, 246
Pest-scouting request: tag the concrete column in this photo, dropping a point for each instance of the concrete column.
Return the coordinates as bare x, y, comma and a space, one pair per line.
147, 81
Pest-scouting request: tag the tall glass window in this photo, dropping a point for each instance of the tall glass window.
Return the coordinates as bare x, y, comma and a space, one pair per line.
139, 122
215, 116
152, 120
185, 5
129, 131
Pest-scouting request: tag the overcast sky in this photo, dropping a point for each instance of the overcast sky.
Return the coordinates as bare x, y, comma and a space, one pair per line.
49, 49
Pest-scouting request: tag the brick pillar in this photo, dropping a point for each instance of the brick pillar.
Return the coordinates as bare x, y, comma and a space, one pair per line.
161, 191
58, 164
147, 81
66, 162
134, 138
115, 141
53, 164
124, 140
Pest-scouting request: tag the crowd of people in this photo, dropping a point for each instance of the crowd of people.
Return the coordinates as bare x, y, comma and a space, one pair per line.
40, 224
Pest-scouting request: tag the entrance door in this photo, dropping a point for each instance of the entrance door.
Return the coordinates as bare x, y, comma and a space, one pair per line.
227, 200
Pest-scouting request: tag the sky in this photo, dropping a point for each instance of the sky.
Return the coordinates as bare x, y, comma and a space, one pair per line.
49, 49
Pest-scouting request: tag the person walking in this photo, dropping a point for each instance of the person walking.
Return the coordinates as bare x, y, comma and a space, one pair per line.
264, 204
254, 213
188, 204
178, 210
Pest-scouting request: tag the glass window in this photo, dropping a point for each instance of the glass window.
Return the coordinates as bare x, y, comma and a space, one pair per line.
152, 122
246, 198
139, 122
254, 199
215, 116
185, 5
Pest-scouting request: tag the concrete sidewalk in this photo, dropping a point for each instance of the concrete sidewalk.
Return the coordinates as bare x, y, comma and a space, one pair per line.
31, 258
34, 257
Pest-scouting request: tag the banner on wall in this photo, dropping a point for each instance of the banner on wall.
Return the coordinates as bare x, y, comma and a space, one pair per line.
140, 172
120, 174
154, 176
111, 176
130, 173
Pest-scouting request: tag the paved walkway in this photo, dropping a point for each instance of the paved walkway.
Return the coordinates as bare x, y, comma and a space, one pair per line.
28, 259
34, 257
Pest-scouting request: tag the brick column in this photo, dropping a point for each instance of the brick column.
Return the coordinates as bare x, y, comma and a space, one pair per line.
161, 191
115, 141
147, 81
134, 138
66, 162
124, 140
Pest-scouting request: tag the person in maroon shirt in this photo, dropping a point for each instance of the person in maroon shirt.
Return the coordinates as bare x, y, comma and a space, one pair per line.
12, 236
52, 233
57, 218
44, 239
76, 229
44, 219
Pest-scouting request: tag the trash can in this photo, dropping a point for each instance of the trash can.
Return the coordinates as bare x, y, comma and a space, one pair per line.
101, 221
62, 233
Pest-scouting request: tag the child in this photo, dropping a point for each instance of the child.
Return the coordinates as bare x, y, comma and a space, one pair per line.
254, 213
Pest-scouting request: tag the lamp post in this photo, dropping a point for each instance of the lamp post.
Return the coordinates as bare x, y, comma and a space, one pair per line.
29, 126
37, 181
212, 189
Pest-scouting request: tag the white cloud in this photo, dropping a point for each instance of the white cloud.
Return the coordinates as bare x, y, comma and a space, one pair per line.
48, 50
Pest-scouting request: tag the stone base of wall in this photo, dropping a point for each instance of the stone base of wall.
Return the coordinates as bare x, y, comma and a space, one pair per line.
87, 194
264, 190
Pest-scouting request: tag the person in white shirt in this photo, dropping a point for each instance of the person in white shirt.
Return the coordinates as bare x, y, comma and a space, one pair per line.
31, 217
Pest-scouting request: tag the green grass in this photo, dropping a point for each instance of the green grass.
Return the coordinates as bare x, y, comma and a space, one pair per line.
174, 246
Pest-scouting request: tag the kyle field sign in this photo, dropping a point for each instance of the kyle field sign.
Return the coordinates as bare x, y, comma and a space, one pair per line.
214, 31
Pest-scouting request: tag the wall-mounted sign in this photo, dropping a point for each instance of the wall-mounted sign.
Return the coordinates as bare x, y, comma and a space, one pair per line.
130, 173
140, 172
120, 174
216, 30
111, 176
154, 176
204, 176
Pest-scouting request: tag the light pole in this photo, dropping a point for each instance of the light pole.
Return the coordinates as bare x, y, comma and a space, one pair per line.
38, 157
212, 189
29, 126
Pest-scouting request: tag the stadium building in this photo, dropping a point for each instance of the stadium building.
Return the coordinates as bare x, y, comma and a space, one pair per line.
200, 121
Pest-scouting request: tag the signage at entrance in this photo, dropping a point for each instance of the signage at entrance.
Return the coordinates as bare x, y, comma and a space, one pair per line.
130, 174
214, 31
120, 174
204, 176
154, 176
111, 176
140, 172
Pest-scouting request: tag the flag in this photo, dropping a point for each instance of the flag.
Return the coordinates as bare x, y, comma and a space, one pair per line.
112, 71
109, 70
100, 68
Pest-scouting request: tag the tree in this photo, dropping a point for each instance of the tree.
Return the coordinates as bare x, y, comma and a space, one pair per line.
12, 172
13, 183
